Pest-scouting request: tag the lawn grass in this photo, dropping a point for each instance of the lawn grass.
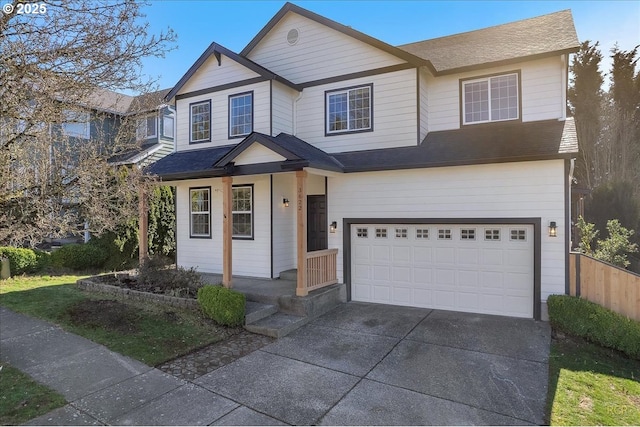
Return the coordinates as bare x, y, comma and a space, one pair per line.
148, 332
592, 385
22, 399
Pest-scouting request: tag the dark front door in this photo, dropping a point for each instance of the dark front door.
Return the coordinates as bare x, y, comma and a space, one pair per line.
316, 223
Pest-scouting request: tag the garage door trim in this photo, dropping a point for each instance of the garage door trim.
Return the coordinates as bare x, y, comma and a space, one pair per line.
535, 222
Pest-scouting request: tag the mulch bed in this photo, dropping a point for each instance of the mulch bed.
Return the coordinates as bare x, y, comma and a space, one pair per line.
131, 282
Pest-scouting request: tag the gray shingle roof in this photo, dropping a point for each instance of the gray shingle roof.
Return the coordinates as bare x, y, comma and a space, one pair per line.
477, 144
474, 144
532, 37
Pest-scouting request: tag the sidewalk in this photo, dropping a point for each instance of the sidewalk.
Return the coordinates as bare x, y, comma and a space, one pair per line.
104, 387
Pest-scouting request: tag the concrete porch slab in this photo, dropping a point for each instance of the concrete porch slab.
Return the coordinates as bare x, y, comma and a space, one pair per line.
292, 391
508, 386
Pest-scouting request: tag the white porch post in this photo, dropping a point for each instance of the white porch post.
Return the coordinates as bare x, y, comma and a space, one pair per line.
227, 231
301, 181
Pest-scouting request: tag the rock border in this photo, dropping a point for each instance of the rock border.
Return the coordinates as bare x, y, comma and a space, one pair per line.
93, 283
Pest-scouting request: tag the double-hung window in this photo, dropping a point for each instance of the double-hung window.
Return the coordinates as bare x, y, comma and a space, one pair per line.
200, 211
349, 110
200, 121
240, 114
76, 124
242, 211
490, 99
147, 127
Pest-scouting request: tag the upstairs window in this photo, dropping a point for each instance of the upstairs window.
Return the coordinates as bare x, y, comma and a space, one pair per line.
167, 126
349, 110
200, 121
76, 124
490, 99
147, 127
240, 114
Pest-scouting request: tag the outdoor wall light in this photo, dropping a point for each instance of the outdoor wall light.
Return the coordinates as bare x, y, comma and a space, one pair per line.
553, 229
333, 227
285, 202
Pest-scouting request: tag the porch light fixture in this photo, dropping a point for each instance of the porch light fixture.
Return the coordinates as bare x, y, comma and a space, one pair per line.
285, 202
333, 227
553, 229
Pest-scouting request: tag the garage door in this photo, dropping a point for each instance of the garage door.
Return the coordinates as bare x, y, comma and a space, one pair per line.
472, 268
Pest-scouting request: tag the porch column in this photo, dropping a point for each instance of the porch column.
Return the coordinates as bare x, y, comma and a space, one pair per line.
301, 181
143, 225
227, 227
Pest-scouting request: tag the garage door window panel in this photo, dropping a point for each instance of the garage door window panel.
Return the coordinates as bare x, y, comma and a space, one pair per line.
492, 234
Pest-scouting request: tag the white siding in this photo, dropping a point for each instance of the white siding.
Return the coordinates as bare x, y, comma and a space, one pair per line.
424, 104
250, 257
394, 114
282, 104
284, 223
320, 52
210, 74
542, 93
530, 189
220, 116
257, 153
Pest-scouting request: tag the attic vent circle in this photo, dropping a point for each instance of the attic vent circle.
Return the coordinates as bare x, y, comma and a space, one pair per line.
292, 36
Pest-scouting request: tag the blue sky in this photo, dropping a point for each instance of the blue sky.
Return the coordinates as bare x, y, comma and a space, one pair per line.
234, 23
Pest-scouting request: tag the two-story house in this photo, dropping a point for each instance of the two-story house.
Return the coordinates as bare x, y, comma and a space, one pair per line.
434, 174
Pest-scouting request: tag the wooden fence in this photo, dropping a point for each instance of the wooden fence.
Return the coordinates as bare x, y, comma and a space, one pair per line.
605, 284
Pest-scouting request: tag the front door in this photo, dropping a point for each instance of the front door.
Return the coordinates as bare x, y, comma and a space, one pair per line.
316, 223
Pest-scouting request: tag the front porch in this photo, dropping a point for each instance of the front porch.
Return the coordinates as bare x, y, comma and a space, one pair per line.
274, 309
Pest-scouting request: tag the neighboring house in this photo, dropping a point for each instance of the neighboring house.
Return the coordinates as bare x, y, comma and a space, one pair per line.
437, 173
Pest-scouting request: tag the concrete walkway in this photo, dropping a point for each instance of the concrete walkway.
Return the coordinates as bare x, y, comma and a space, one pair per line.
360, 364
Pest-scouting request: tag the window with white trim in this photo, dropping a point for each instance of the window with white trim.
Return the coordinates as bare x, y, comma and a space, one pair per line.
381, 233
490, 99
491, 234
242, 211
444, 234
349, 110
401, 233
468, 234
147, 127
362, 232
240, 114
76, 124
167, 126
518, 234
200, 211
200, 121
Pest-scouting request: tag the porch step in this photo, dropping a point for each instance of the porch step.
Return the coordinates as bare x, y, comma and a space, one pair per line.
289, 275
255, 311
277, 325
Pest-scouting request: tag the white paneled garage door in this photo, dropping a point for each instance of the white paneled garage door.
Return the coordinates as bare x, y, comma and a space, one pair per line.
473, 268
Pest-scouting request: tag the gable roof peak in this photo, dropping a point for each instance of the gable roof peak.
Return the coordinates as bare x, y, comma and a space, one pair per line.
290, 7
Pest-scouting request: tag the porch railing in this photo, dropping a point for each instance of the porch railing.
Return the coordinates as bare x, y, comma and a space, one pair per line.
321, 268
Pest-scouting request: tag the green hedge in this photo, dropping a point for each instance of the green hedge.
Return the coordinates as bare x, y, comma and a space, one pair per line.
223, 305
21, 260
579, 317
79, 256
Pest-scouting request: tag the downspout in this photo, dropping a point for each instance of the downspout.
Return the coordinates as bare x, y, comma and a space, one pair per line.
295, 113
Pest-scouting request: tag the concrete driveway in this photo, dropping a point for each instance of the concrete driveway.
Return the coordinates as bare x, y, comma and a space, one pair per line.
370, 364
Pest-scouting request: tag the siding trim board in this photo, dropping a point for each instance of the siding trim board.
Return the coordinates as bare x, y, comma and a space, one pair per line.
358, 75
567, 223
534, 221
220, 88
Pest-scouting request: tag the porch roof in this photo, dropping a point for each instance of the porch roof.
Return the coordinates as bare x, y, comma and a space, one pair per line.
478, 144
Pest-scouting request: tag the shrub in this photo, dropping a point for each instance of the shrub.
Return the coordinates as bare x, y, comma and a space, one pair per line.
223, 305
582, 318
43, 260
79, 256
178, 282
21, 260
